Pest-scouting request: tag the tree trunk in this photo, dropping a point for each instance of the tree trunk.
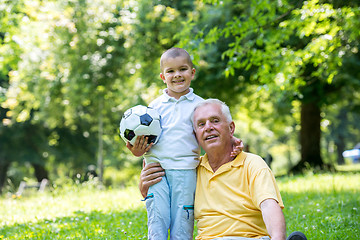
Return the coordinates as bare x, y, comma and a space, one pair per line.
40, 172
310, 134
4, 166
340, 148
100, 161
340, 135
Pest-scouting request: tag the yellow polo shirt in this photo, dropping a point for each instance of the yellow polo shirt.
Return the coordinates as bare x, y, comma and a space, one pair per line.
227, 202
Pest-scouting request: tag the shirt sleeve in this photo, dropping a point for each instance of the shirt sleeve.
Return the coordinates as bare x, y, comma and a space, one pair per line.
263, 186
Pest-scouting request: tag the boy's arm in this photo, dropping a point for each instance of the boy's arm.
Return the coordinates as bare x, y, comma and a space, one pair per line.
140, 146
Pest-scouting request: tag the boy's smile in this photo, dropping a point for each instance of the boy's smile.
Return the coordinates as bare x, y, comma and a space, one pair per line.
177, 76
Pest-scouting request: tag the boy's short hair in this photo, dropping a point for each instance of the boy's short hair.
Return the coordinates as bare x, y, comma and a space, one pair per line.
173, 53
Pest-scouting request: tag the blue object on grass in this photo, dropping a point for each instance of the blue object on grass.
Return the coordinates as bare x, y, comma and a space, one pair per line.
353, 153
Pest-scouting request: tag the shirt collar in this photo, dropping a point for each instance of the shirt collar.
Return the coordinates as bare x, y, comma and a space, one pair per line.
237, 162
190, 96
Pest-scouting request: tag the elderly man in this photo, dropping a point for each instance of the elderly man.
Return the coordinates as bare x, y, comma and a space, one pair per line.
236, 198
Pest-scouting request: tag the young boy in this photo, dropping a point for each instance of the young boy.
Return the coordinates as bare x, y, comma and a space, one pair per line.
170, 203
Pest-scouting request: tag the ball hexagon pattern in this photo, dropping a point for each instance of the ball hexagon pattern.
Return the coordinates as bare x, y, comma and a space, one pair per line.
140, 120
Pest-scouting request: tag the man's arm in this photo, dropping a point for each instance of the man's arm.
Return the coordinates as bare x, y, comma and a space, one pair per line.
150, 174
273, 219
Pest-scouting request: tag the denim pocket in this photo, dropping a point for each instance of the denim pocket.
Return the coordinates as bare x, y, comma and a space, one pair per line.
150, 205
189, 210
151, 195
188, 220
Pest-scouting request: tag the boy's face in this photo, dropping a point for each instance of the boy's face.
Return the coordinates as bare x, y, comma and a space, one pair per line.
177, 75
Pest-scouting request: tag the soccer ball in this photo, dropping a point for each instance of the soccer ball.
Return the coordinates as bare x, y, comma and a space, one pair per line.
140, 120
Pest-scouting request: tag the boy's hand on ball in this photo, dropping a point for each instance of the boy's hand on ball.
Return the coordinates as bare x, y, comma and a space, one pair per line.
140, 146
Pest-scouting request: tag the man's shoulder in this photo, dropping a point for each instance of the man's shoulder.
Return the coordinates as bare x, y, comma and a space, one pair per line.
254, 160
253, 156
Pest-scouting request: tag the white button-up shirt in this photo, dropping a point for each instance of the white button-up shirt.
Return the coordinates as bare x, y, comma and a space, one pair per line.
174, 150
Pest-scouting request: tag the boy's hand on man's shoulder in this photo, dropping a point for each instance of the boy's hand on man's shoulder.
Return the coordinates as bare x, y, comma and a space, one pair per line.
238, 147
140, 146
197, 151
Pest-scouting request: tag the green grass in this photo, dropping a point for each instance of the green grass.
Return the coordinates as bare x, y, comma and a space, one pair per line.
74, 213
323, 206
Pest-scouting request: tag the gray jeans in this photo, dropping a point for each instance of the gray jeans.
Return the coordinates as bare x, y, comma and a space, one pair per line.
241, 238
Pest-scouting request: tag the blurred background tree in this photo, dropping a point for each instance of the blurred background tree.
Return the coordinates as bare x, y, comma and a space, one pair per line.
69, 69
297, 53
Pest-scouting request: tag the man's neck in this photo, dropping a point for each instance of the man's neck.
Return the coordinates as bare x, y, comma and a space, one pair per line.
219, 158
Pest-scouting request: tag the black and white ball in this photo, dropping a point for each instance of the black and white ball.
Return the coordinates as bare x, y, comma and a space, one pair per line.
140, 120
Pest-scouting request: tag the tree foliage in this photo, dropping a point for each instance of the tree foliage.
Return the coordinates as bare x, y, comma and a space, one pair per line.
69, 69
294, 50
82, 64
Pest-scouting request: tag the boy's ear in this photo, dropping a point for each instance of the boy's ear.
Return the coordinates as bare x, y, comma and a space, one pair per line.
162, 77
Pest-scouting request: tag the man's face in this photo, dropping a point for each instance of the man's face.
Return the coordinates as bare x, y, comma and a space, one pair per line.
177, 75
212, 128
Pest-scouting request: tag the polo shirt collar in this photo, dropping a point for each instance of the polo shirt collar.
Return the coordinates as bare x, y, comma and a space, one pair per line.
189, 96
239, 160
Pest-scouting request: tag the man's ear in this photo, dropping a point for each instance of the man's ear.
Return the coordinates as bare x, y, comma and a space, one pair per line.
232, 128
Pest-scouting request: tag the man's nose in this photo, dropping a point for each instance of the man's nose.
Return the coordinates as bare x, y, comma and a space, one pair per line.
208, 126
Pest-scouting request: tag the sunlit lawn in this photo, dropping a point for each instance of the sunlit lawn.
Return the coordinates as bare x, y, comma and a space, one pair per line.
324, 206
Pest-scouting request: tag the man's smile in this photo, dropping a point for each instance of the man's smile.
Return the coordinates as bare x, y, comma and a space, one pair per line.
210, 137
